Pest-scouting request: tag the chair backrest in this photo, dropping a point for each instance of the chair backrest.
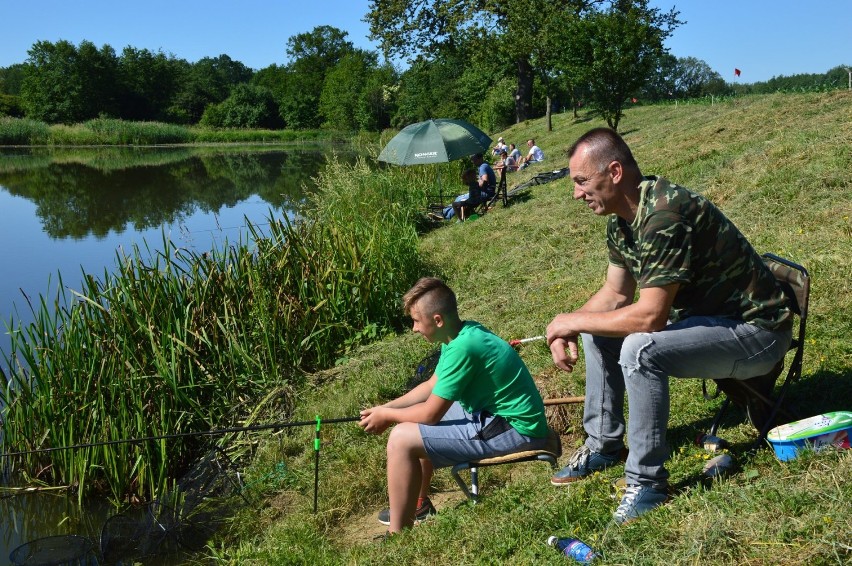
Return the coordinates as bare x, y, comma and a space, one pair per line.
796, 283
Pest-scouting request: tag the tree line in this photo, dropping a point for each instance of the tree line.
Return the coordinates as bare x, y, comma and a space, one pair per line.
488, 62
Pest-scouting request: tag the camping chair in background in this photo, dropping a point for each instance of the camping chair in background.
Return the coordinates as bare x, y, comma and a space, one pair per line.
795, 282
550, 454
499, 193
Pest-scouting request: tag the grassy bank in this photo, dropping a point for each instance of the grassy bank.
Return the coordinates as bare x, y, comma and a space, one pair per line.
778, 166
108, 131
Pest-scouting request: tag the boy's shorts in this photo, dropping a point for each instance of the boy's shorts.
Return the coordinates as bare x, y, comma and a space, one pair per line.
464, 437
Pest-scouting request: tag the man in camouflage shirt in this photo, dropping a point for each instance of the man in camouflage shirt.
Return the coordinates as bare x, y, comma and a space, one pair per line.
707, 307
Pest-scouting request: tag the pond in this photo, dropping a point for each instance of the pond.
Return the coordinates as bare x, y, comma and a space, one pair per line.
68, 212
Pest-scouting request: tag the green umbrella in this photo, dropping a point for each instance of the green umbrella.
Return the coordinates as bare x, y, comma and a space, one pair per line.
435, 141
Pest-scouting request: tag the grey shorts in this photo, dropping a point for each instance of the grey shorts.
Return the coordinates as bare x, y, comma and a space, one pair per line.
464, 437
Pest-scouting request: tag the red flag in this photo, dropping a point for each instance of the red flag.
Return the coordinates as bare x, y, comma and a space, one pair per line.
737, 72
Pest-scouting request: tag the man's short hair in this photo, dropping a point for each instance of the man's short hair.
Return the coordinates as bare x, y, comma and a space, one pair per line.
604, 146
434, 297
477, 157
531, 140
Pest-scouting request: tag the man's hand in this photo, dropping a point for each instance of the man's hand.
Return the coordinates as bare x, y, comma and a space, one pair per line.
562, 339
374, 421
565, 353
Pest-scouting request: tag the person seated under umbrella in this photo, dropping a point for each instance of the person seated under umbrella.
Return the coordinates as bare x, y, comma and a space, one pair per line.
482, 185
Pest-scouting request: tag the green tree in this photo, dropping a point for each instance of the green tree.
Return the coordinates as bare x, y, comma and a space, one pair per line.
11, 106
312, 56
149, 83
208, 81
426, 90
358, 93
412, 28
378, 98
11, 78
274, 78
342, 89
248, 106
615, 51
67, 84
693, 77
467, 80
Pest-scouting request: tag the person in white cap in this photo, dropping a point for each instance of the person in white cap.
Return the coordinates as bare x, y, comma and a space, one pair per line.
501, 145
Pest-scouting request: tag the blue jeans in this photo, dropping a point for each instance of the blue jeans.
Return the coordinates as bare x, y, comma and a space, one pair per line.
698, 347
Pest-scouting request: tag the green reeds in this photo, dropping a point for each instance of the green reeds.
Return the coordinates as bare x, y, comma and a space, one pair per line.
111, 131
23, 131
174, 341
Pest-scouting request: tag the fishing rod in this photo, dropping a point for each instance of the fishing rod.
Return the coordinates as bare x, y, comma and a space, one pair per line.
222, 431
518, 341
214, 432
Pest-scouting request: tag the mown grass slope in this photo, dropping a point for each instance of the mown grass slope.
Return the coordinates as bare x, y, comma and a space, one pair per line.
779, 167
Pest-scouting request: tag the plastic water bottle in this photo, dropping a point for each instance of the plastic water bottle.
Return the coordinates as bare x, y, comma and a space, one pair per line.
574, 548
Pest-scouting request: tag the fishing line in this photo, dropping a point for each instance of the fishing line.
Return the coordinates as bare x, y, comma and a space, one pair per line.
215, 432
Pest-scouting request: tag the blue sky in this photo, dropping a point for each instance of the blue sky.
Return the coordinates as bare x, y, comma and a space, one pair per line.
762, 38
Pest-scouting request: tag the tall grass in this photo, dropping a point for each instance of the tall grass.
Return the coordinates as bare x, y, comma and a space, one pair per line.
23, 131
110, 131
175, 341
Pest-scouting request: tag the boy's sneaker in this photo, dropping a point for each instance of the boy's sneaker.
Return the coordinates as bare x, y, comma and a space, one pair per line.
422, 513
584, 462
638, 500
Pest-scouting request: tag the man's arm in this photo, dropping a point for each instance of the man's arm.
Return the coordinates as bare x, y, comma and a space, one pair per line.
610, 312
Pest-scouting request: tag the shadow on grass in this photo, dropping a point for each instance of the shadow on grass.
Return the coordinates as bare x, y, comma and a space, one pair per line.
814, 394
519, 197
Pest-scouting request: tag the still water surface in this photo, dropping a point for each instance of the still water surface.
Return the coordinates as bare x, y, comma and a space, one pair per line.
70, 212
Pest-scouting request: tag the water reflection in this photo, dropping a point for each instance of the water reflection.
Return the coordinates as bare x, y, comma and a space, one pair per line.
23, 519
67, 211
83, 194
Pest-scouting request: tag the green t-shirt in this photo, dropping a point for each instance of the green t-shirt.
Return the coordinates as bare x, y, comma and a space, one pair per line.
483, 373
679, 236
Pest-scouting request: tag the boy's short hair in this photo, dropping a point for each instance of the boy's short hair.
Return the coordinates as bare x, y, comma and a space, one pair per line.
436, 296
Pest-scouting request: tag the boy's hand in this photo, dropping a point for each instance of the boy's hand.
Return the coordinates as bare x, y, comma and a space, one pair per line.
374, 421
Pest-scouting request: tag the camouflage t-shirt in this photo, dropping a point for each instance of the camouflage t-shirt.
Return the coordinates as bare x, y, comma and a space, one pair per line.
680, 237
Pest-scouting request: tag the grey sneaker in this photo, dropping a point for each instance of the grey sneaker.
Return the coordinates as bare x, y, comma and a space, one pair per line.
584, 462
420, 514
638, 500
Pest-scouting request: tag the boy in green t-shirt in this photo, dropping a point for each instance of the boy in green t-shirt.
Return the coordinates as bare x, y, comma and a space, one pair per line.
481, 402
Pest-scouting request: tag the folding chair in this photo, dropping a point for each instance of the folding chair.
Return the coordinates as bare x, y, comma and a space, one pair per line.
501, 190
795, 282
550, 454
